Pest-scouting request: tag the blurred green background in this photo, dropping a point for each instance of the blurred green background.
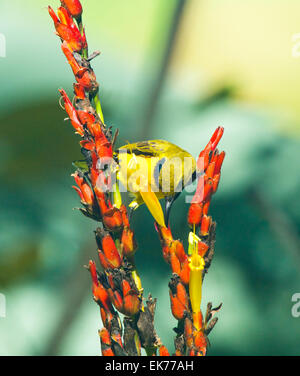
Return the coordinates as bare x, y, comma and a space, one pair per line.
175, 70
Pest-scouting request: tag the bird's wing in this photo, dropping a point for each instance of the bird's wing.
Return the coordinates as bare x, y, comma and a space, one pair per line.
150, 148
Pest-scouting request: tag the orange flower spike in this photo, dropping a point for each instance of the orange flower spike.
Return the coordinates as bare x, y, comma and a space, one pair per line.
163, 351
72, 113
67, 30
85, 192
73, 6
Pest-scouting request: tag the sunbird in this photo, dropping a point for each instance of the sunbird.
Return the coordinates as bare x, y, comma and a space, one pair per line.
154, 170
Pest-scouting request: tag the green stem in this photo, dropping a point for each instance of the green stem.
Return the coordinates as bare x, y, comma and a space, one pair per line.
98, 107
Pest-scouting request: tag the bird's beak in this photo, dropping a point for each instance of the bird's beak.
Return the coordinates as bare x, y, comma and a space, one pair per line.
153, 204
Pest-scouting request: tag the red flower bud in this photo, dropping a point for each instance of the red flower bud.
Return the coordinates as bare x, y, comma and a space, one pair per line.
178, 249
72, 113
128, 242
112, 219
84, 191
175, 264
67, 30
166, 253
125, 218
205, 225
109, 249
202, 248
219, 162
165, 235
185, 273
84, 75
131, 300
195, 214
73, 6
179, 301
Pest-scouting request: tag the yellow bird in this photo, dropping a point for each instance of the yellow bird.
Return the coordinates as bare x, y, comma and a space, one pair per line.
152, 170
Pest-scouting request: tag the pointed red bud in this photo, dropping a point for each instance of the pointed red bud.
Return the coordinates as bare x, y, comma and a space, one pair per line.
73, 6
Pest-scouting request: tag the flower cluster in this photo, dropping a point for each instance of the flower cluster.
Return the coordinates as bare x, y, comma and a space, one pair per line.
117, 287
189, 268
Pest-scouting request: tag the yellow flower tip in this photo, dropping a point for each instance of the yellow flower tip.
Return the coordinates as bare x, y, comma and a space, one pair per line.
193, 243
117, 196
196, 264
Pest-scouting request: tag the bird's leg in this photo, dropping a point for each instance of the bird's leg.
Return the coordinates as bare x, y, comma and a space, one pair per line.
169, 200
